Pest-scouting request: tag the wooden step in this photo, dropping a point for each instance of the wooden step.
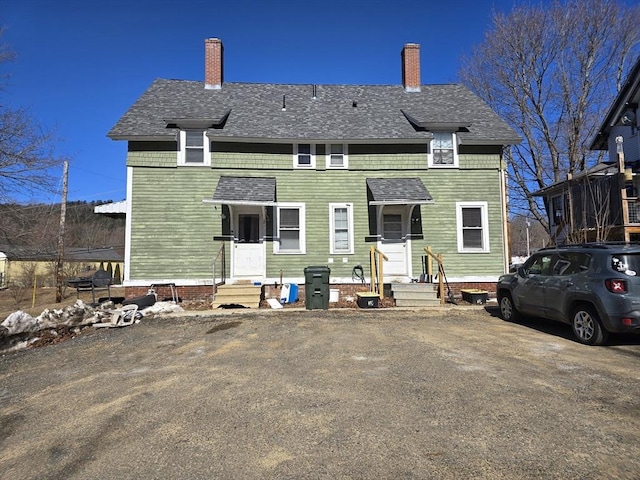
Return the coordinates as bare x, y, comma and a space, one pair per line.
245, 295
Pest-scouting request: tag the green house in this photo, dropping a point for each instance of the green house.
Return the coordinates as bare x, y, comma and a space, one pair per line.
279, 177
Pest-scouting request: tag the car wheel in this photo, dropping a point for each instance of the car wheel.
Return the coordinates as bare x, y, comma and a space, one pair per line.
587, 327
508, 310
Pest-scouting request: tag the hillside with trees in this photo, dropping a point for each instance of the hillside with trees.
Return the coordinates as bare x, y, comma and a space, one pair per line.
37, 225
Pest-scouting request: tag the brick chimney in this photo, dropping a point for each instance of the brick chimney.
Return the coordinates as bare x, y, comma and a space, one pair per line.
213, 66
411, 67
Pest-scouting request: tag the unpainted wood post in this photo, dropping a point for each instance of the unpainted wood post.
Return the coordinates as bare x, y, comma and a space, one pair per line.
440, 279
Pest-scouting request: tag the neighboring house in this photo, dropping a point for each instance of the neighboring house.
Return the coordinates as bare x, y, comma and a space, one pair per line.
19, 264
287, 176
603, 202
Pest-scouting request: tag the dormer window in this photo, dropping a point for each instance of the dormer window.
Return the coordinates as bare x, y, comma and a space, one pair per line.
443, 150
194, 148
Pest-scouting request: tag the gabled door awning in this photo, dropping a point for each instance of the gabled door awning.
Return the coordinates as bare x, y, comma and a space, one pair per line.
245, 191
398, 191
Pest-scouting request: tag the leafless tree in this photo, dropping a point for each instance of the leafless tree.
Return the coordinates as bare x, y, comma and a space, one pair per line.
521, 236
27, 155
590, 217
552, 71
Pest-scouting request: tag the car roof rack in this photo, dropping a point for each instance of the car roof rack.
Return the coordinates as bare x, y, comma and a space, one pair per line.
603, 245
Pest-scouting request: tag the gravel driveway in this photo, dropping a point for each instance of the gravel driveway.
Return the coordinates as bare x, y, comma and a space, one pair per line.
451, 393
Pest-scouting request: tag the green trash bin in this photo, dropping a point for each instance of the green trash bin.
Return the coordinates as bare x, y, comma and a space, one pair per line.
316, 287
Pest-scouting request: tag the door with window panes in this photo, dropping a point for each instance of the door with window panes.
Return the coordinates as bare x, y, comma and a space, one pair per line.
248, 248
393, 242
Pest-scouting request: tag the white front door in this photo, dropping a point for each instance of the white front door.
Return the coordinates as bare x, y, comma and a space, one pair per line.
393, 243
248, 258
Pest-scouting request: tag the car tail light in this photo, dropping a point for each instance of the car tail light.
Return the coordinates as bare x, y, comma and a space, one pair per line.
616, 285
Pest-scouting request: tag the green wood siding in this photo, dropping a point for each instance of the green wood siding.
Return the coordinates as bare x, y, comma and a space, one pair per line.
439, 221
173, 230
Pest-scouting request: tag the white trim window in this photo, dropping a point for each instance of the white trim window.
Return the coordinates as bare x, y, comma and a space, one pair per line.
473, 227
337, 155
290, 228
341, 228
443, 150
304, 155
194, 148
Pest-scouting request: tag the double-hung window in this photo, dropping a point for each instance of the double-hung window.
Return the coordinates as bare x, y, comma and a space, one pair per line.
290, 227
473, 227
443, 151
304, 156
194, 148
341, 228
337, 155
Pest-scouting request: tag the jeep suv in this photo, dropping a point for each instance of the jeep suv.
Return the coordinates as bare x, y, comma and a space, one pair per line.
595, 288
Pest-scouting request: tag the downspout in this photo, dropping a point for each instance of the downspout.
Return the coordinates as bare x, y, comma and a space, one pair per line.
505, 231
379, 222
126, 273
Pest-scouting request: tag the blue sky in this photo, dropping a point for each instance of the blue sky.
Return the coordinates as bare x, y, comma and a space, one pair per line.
81, 63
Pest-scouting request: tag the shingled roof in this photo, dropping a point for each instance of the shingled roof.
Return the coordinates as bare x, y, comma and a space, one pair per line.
398, 191
246, 190
26, 253
289, 112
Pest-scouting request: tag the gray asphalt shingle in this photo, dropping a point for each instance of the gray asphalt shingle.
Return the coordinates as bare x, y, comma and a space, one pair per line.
338, 112
398, 190
246, 189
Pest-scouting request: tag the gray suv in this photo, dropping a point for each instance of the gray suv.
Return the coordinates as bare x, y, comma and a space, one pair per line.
593, 287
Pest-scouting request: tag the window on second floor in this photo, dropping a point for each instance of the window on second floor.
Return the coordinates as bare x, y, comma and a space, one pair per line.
304, 156
443, 150
473, 227
337, 155
194, 148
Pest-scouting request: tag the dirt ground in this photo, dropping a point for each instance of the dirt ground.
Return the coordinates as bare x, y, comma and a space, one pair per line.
444, 393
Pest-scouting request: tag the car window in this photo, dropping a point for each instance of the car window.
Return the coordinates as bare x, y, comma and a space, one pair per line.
629, 264
570, 263
540, 265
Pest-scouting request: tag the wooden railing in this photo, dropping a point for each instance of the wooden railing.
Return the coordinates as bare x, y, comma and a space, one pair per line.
219, 263
438, 258
376, 258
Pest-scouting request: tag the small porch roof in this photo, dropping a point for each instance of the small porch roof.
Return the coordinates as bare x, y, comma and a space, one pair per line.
398, 191
245, 191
